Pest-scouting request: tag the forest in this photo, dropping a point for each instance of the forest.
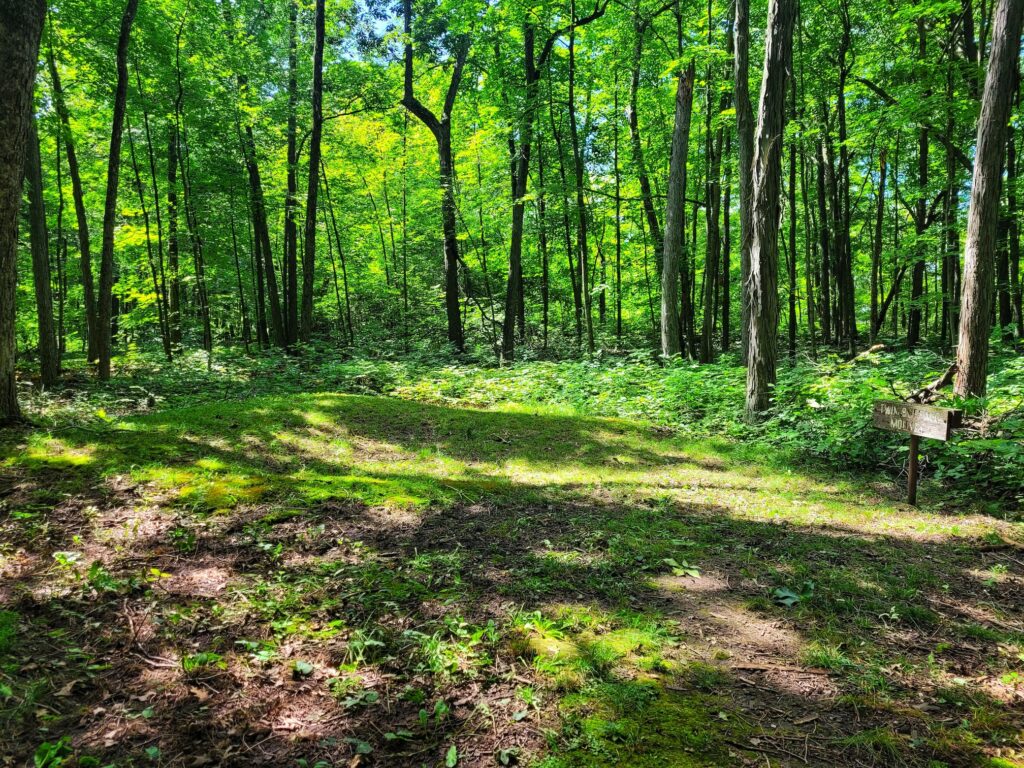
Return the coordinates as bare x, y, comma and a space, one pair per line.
551, 383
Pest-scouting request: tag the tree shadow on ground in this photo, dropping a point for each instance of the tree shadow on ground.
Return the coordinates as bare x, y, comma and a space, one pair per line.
511, 566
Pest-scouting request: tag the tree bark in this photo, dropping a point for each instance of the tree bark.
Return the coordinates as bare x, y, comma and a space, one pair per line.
917, 274
82, 222
49, 357
745, 161
767, 179
290, 275
876, 247
441, 130
165, 336
983, 215
639, 30
105, 308
309, 252
675, 208
21, 23
581, 208
173, 246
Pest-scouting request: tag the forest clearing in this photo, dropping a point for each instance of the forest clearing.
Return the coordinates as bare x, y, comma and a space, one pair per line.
548, 383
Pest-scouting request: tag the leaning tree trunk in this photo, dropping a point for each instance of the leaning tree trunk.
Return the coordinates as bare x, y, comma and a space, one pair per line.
983, 216
675, 209
21, 23
110, 207
49, 358
767, 181
309, 252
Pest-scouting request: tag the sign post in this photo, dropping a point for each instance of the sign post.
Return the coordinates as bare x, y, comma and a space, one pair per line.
918, 421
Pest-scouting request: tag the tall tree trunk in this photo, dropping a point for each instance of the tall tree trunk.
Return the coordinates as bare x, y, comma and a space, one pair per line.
290, 274
713, 217
542, 241
727, 246
581, 208
767, 182
21, 23
824, 242
165, 336
675, 209
745, 161
243, 308
791, 260
618, 216
983, 216
843, 244
191, 219
309, 252
161, 291
196, 239
49, 356
82, 222
105, 308
269, 303
1011, 210
639, 30
441, 130
173, 246
917, 274
876, 246
341, 254
62, 252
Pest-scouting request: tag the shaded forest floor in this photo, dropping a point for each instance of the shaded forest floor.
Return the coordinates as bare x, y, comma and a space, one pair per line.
309, 578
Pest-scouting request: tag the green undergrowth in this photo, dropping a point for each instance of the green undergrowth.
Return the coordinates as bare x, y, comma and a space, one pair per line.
821, 417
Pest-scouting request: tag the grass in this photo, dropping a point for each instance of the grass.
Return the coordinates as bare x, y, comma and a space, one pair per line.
304, 576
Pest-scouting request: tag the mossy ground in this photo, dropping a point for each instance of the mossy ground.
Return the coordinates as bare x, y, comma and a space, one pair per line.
378, 580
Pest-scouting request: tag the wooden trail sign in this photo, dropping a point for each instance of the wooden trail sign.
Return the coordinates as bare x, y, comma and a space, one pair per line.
918, 421
914, 419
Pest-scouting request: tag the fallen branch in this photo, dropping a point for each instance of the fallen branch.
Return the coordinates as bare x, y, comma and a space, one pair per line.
930, 393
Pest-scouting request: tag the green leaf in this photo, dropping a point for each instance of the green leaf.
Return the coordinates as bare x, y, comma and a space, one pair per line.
451, 759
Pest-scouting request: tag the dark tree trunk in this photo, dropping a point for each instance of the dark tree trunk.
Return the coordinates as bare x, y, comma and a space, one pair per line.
441, 130
581, 208
165, 336
639, 30
672, 258
105, 308
191, 219
920, 214
542, 242
49, 356
713, 217
82, 222
876, 246
791, 261
173, 246
983, 216
745, 161
242, 305
519, 163
341, 255
290, 274
309, 252
161, 290
767, 182
1011, 211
